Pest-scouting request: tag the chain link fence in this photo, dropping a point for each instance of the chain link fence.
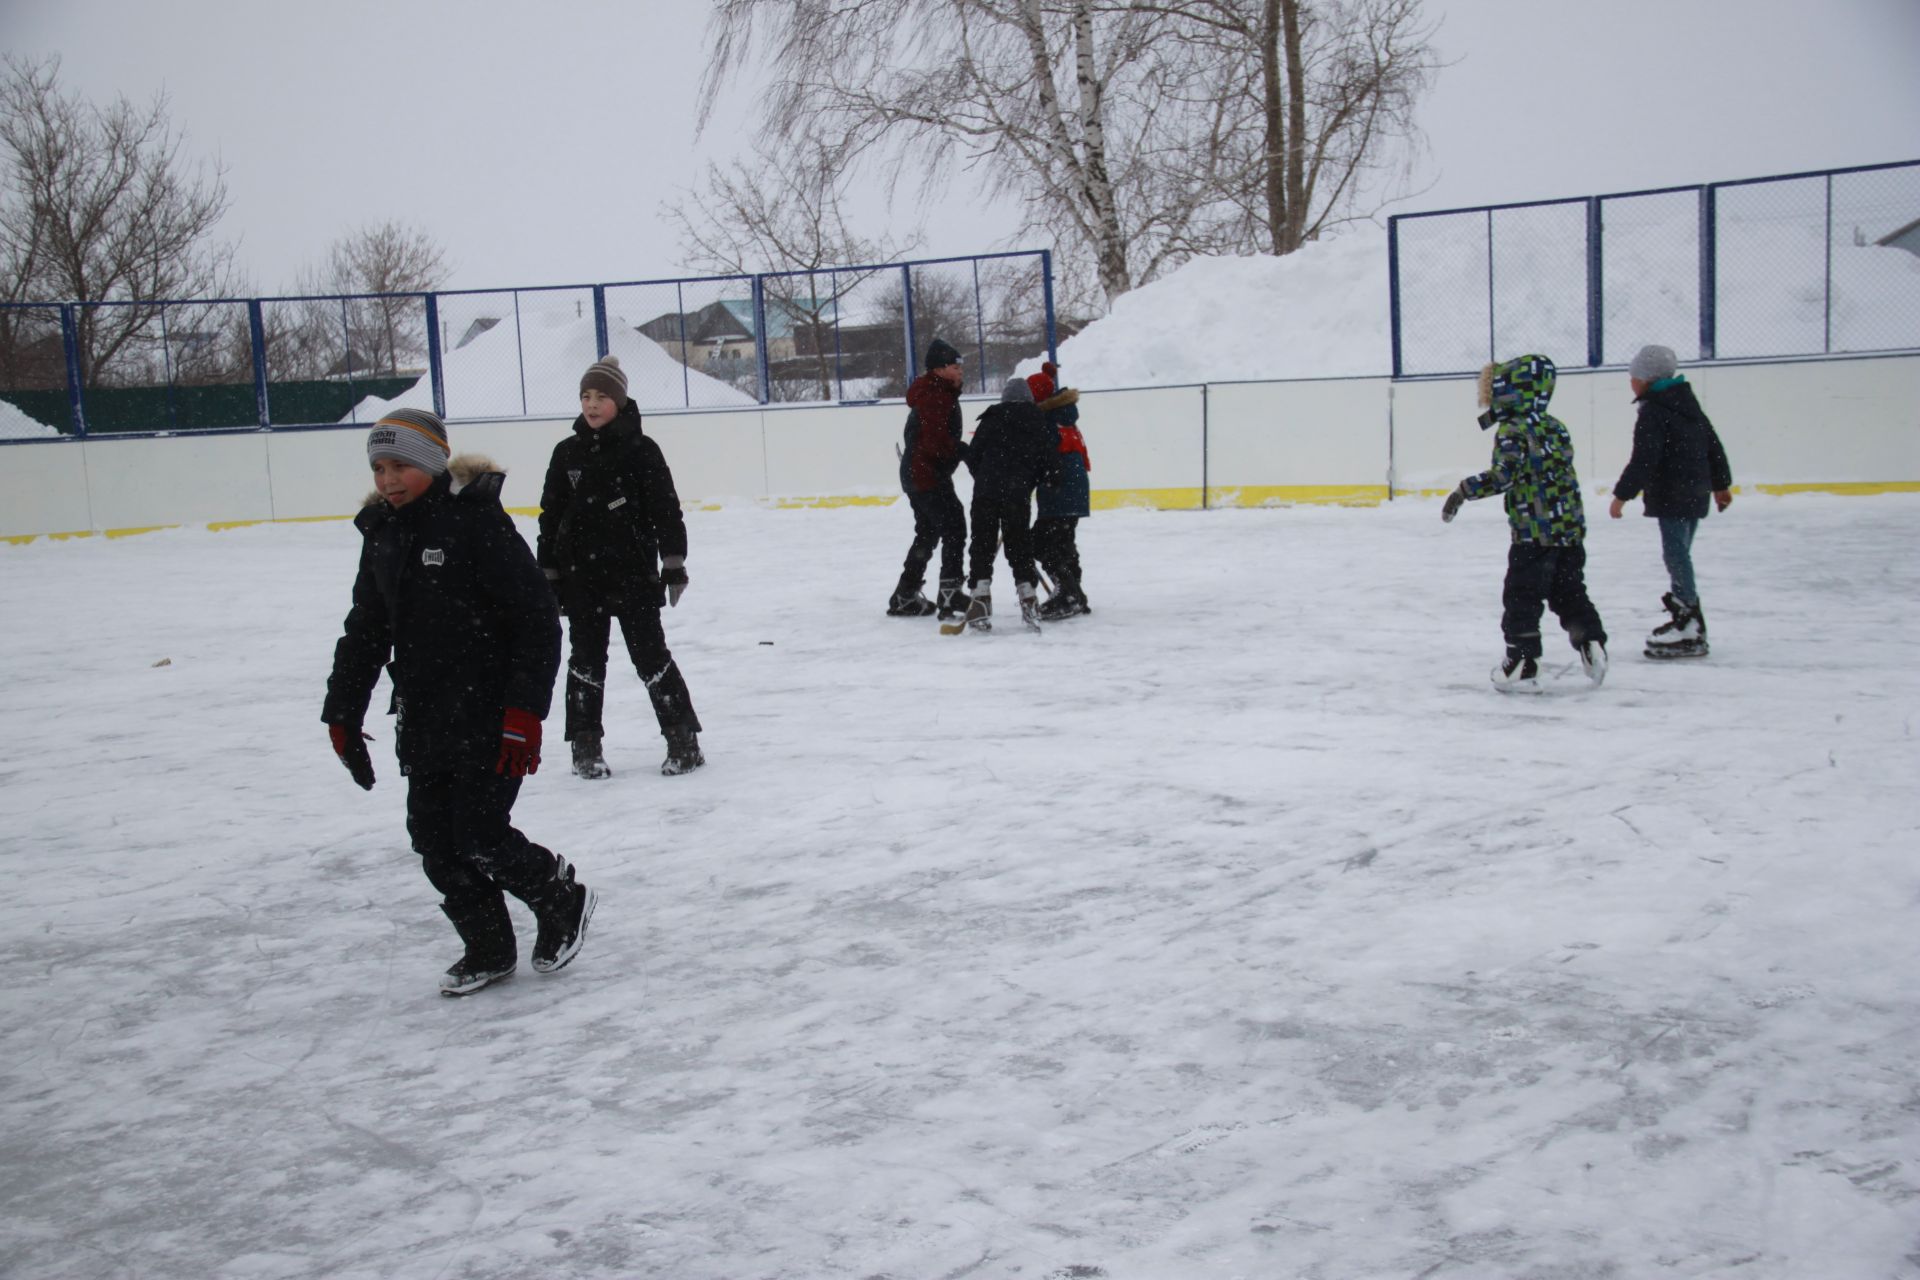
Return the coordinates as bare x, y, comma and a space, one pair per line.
1804, 264
816, 337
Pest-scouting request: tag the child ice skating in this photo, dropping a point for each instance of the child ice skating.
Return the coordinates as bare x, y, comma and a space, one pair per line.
1012, 448
448, 600
1062, 498
929, 455
1677, 462
614, 543
1533, 466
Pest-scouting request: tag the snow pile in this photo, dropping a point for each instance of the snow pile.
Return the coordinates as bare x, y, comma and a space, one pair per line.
15, 424
1319, 313
532, 367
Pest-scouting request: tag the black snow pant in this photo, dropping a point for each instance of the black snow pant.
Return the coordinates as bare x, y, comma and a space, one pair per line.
589, 628
461, 827
1055, 547
1556, 578
938, 520
1000, 519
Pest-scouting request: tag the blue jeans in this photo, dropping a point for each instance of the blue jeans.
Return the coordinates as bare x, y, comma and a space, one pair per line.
1676, 547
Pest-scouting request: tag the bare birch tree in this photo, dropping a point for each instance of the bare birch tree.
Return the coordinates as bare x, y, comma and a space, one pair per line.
98, 204
1135, 132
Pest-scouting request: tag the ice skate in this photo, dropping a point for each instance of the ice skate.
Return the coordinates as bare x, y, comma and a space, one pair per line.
1682, 635
980, 610
1516, 675
1030, 608
563, 918
587, 761
1593, 661
910, 604
487, 931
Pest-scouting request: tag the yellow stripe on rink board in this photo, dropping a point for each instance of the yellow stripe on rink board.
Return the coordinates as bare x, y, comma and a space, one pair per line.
1851, 488
1276, 495
1157, 499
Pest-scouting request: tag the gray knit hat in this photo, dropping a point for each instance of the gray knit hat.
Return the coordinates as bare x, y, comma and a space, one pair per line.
1016, 392
1650, 364
413, 436
605, 376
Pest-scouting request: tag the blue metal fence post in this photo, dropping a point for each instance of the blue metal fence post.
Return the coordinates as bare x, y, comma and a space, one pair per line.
70, 340
257, 339
434, 374
979, 325
680, 309
1596, 286
906, 312
1492, 351
1393, 290
760, 337
166, 367
1709, 317
1827, 341
1046, 292
601, 338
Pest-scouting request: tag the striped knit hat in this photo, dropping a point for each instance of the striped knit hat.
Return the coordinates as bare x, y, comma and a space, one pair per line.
605, 376
413, 436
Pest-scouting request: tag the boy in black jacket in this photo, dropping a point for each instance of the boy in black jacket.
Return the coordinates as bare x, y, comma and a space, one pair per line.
1677, 462
614, 544
448, 590
1012, 450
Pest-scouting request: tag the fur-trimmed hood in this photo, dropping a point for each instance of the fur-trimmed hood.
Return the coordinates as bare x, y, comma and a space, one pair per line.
463, 469
1516, 388
1061, 398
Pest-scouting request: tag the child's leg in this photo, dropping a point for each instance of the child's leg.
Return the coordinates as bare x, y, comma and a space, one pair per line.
1523, 595
986, 540
1046, 544
462, 826
1676, 548
951, 518
1567, 597
666, 687
588, 627
1017, 539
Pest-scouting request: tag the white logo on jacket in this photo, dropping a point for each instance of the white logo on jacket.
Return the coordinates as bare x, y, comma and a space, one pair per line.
433, 555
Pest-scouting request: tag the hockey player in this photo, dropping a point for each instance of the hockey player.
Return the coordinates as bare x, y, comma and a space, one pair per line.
1677, 461
1012, 449
614, 544
449, 592
929, 456
1533, 466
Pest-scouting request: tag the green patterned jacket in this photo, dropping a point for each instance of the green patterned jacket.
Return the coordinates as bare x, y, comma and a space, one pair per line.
1532, 455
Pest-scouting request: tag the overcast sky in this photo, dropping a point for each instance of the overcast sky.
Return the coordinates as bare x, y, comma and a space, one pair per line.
537, 142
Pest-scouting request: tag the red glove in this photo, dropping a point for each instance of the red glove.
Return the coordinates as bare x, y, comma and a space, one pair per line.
519, 744
351, 746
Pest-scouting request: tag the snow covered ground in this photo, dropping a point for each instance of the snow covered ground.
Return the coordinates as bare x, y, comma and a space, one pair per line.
1239, 930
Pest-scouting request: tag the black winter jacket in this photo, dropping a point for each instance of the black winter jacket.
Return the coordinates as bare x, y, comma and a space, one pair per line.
1014, 448
608, 513
1677, 457
449, 590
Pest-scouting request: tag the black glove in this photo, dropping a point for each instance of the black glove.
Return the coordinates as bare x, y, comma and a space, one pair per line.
559, 592
1452, 506
673, 574
350, 744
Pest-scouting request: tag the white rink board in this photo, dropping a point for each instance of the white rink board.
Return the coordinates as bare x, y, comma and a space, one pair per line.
1818, 423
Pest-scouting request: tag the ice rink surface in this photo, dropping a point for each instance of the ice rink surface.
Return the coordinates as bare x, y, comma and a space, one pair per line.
1239, 930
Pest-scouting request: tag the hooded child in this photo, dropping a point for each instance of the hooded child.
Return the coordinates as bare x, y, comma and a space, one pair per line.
1546, 563
1062, 498
450, 603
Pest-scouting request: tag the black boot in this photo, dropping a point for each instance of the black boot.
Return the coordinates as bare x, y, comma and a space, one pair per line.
953, 599
587, 760
1067, 602
908, 601
483, 924
683, 752
562, 910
